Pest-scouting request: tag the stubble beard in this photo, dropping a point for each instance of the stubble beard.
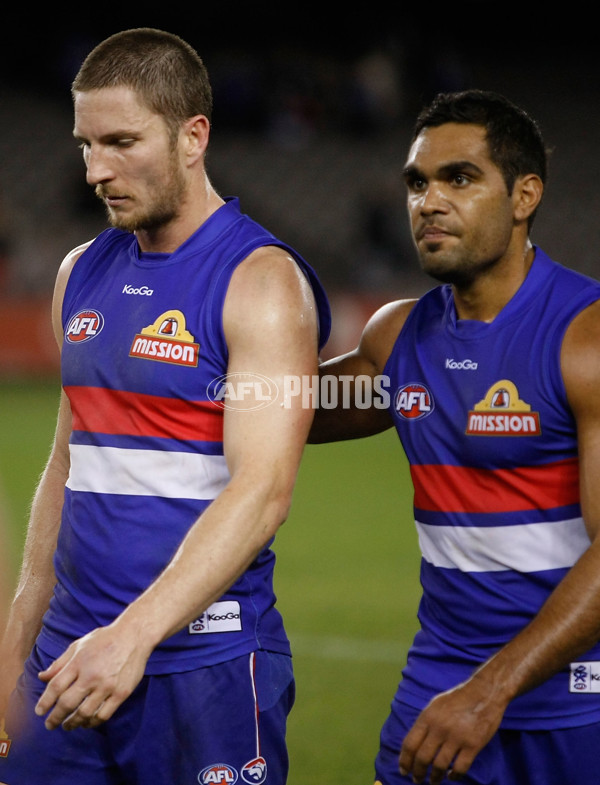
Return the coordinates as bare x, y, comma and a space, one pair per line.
457, 269
162, 206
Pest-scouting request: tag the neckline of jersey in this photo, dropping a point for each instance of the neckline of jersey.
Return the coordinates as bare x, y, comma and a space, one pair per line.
536, 280
206, 234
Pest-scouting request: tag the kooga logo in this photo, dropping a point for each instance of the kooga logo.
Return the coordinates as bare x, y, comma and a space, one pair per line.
461, 365
129, 289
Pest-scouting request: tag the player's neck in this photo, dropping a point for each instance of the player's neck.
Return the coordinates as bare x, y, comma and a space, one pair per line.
196, 206
485, 296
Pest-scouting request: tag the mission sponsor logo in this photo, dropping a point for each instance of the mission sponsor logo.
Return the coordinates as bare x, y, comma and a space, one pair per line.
503, 413
167, 341
84, 326
5, 742
413, 401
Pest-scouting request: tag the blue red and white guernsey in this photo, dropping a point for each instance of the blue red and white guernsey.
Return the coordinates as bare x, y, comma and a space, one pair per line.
483, 417
143, 343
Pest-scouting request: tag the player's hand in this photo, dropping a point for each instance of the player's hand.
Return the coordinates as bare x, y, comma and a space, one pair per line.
91, 679
449, 733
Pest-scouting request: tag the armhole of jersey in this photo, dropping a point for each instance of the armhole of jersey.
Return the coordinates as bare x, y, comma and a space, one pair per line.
320, 297
551, 366
215, 300
405, 327
78, 271
217, 292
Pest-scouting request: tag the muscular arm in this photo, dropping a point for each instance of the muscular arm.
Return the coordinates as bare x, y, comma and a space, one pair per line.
270, 327
457, 724
362, 366
37, 578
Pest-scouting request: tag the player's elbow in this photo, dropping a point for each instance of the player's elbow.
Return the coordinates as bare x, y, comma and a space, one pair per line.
280, 506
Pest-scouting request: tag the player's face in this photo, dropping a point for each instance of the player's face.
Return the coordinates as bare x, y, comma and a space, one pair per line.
130, 158
460, 210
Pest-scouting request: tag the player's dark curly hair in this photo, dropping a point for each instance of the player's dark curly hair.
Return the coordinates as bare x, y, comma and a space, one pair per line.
514, 138
165, 71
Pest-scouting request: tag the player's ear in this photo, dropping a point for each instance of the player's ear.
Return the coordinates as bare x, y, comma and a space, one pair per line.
195, 131
527, 194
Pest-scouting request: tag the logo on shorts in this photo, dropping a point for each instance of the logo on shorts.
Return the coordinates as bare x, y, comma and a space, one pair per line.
413, 401
218, 773
84, 326
166, 341
5, 742
255, 771
503, 413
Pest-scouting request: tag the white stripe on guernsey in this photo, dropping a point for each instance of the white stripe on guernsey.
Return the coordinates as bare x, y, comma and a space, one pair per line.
529, 547
256, 707
173, 475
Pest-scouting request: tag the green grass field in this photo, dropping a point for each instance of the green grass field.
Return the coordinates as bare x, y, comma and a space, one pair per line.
346, 580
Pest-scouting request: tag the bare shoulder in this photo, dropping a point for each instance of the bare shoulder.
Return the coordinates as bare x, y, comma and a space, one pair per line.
62, 278
382, 329
268, 266
67, 264
580, 355
268, 278
269, 295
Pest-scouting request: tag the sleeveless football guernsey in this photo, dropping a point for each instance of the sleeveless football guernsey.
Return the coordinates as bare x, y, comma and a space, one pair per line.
482, 414
143, 346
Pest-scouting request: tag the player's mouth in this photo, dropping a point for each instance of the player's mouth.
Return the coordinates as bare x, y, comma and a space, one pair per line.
111, 200
432, 233
115, 201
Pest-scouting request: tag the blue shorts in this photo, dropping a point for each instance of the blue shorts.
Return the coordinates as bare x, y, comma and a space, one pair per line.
567, 756
220, 724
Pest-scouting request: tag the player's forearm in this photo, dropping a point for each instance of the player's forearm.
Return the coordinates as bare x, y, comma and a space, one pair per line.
351, 402
566, 627
220, 546
36, 577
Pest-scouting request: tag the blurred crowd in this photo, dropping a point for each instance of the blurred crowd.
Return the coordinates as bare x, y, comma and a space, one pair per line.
302, 136
310, 130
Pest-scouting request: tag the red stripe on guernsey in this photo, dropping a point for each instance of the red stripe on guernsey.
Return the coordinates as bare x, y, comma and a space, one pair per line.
97, 410
460, 489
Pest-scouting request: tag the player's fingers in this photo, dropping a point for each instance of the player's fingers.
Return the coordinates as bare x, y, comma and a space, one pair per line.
55, 689
84, 713
98, 707
54, 668
462, 764
105, 711
410, 745
423, 759
419, 749
65, 708
441, 765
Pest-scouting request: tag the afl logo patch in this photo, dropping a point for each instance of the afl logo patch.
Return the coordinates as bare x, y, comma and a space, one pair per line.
219, 773
413, 401
84, 326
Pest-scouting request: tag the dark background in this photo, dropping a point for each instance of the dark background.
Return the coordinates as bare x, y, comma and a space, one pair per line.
313, 110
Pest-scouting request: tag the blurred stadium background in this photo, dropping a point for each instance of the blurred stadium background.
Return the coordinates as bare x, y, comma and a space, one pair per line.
313, 111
